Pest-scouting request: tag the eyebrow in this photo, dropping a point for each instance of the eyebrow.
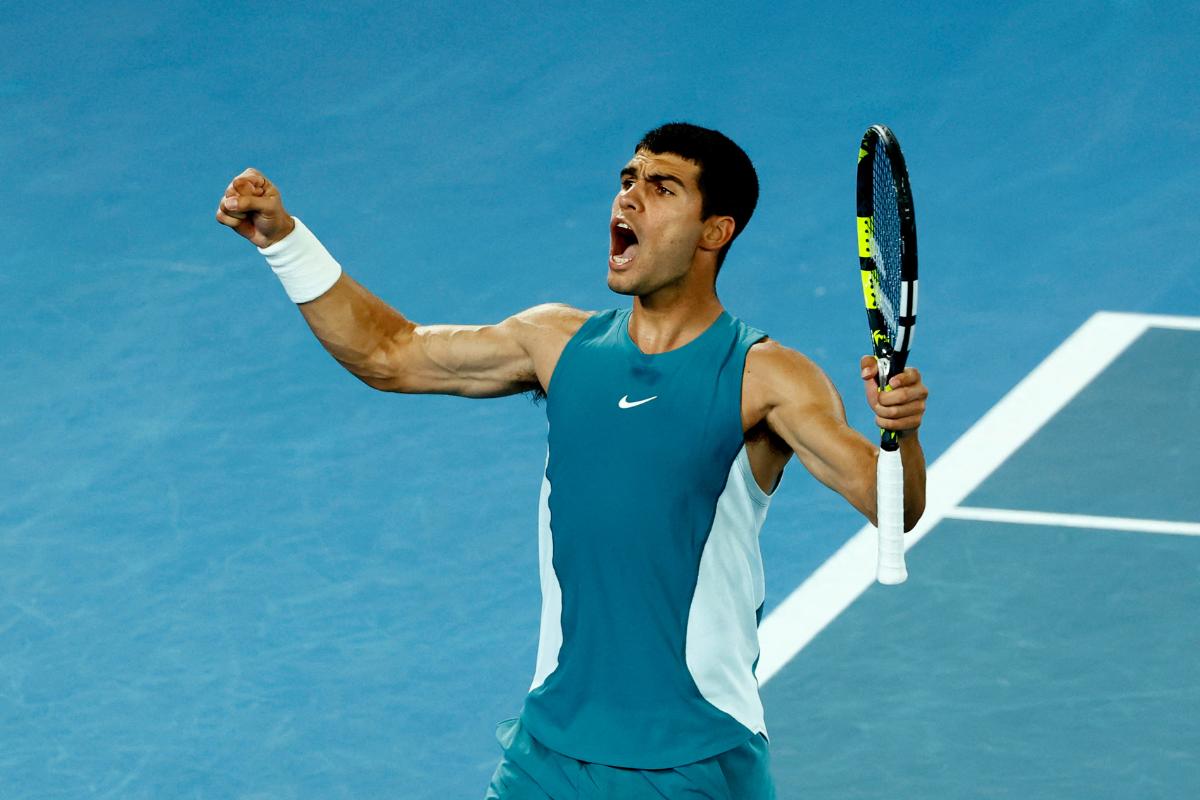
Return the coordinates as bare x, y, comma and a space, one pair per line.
631, 172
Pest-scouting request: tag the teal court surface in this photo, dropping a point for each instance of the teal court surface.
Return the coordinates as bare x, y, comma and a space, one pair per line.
1046, 642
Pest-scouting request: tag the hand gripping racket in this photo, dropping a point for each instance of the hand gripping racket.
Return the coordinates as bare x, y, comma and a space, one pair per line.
887, 254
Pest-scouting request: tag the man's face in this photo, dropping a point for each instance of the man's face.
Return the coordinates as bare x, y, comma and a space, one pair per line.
655, 223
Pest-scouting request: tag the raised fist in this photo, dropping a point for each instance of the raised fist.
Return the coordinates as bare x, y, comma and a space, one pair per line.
252, 207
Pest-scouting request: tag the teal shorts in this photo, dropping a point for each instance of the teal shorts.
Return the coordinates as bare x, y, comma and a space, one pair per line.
531, 771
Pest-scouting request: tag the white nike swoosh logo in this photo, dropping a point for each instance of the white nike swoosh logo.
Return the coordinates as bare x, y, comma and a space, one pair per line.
624, 401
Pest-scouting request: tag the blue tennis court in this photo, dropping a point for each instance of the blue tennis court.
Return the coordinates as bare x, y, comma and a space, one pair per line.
228, 569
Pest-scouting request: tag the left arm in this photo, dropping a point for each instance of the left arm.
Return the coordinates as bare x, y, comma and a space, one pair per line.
800, 405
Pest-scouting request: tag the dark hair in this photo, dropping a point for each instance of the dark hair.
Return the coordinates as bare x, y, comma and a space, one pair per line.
728, 182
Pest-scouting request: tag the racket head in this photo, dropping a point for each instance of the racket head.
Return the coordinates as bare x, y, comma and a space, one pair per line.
887, 252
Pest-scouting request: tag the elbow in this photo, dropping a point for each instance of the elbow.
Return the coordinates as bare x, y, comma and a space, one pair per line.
367, 372
868, 502
913, 515
374, 370
377, 383
385, 368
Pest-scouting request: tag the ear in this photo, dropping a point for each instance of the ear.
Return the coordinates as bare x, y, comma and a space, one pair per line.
717, 232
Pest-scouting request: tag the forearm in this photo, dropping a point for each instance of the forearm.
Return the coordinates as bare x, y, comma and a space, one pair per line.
913, 459
355, 327
358, 329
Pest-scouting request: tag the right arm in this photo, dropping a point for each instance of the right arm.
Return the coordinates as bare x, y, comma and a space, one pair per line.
388, 352
391, 353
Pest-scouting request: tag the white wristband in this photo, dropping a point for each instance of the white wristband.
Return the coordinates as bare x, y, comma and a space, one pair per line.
302, 264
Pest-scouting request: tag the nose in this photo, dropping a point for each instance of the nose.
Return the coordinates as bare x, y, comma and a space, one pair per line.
630, 199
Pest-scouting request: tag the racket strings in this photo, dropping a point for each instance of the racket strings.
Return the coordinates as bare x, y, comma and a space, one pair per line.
886, 235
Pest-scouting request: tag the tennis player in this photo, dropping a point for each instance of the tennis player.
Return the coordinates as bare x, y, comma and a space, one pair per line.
670, 424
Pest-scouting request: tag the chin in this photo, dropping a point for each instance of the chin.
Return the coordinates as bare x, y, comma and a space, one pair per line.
621, 284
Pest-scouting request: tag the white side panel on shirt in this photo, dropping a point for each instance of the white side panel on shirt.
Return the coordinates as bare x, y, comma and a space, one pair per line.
551, 636
722, 633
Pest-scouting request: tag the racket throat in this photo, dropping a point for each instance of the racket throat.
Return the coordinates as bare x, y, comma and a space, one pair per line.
890, 362
884, 364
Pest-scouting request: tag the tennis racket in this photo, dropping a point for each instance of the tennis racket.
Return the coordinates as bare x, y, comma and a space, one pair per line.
887, 254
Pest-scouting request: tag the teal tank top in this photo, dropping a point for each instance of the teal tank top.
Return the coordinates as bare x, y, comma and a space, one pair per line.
652, 583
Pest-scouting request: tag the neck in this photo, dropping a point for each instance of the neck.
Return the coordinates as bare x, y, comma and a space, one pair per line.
678, 312
672, 316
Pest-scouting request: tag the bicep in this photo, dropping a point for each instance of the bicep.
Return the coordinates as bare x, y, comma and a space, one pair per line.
464, 360
806, 411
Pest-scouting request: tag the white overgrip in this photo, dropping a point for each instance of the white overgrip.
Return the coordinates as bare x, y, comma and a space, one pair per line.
890, 514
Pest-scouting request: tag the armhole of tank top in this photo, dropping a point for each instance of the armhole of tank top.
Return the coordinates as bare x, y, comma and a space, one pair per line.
757, 494
571, 344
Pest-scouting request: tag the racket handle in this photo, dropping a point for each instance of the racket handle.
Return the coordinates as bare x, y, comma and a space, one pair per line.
890, 512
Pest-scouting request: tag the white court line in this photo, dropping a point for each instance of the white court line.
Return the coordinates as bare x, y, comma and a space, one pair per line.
1014, 517
849, 572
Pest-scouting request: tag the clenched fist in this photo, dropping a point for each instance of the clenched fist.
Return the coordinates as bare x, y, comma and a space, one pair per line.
252, 207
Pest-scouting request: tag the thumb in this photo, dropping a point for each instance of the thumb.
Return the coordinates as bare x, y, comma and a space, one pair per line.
869, 367
247, 203
870, 379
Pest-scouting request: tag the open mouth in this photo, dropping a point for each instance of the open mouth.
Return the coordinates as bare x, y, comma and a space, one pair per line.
624, 244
